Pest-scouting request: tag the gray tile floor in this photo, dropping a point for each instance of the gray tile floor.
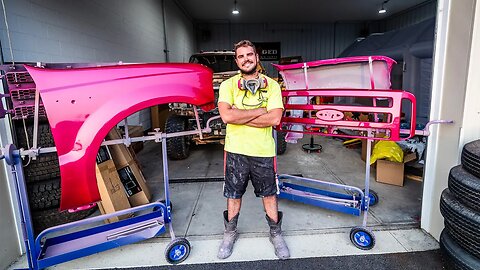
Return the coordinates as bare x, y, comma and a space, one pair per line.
399, 206
310, 231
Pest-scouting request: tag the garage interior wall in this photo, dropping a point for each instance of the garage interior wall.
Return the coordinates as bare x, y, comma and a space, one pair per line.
425, 10
180, 33
311, 41
90, 31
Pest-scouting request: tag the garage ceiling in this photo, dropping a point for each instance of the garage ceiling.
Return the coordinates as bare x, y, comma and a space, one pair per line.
292, 11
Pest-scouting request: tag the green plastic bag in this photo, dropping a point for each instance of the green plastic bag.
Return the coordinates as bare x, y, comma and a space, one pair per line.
388, 150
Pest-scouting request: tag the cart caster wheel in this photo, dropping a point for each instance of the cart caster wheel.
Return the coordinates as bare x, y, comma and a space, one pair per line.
373, 196
362, 238
170, 204
177, 250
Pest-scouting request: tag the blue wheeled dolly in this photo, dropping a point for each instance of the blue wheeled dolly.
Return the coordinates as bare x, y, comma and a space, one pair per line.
78, 239
337, 197
342, 198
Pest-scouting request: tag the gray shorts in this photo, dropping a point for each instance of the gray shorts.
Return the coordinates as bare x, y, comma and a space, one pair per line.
239, 169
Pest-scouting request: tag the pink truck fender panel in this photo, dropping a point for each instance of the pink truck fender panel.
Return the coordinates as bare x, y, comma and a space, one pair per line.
83, 104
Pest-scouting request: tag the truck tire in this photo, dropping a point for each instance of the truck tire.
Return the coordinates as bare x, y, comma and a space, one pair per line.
46, 165
462, 223
45, 219
465, 187
471, 157
455, 256
177, 147
44, 195
281, 143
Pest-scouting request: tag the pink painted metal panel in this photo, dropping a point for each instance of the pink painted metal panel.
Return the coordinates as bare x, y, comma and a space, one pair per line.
83, 104
335, 61
350, 72
317, 123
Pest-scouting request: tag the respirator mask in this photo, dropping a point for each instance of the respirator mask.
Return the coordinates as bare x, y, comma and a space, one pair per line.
253, 85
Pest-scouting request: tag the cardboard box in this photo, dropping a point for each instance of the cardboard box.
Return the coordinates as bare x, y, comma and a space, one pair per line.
364, 149
134, 184
159, 115
120, 154
111, 190
392, 173
103, 154
135, 131
364, 145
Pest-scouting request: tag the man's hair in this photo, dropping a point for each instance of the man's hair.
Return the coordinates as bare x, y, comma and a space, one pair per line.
243, 43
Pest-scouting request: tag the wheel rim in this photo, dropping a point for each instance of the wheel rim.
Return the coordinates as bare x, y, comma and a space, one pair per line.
177, 252
362, 239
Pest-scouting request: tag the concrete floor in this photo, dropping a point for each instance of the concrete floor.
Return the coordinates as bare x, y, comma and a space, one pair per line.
310, 231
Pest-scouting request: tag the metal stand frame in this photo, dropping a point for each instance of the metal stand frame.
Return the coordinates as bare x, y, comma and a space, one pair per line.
78, 239
346, 199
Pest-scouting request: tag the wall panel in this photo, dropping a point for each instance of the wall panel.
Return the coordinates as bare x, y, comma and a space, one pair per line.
311, 41
424, 11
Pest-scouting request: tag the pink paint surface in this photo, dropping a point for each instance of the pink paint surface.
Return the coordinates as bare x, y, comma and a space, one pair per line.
83, 104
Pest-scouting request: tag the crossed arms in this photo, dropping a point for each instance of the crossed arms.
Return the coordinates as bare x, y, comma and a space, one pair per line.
259, 117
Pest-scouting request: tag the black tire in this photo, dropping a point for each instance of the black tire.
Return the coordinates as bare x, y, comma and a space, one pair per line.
374, 199
455, 256
46, 165
281, 143
471, 157
362, 238
177, 251
462, 223
48, 218
465, 187
44, 195
177, 147
45, 137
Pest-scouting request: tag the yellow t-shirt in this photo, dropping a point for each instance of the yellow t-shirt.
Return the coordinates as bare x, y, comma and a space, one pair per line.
243, 139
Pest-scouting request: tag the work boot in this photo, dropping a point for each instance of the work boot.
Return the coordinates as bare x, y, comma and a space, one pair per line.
276, 238
230, 235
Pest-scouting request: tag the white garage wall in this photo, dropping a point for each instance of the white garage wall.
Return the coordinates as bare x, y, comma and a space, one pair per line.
84, 31
180, 34
454, 97
95, 31
87, 31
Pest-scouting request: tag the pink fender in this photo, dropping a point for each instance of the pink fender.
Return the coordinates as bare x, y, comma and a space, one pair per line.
83, 104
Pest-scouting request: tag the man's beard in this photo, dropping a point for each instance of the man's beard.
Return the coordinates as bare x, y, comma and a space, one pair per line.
250, 72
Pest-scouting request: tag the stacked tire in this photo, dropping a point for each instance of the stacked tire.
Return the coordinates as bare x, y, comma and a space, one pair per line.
42, 177
460, 207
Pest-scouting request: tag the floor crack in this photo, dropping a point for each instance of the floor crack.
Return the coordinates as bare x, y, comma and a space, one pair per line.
192, 214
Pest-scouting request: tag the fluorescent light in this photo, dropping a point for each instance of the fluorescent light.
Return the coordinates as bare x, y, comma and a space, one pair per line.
235, 10
383, 9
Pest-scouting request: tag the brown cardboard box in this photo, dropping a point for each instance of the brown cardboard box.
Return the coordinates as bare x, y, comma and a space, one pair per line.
111, 190
364, 149
159, 115
134, 184
135, 131
120, 154
364, 145
392, 173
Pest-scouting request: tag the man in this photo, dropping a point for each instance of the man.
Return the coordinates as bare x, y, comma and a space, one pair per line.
250, 103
